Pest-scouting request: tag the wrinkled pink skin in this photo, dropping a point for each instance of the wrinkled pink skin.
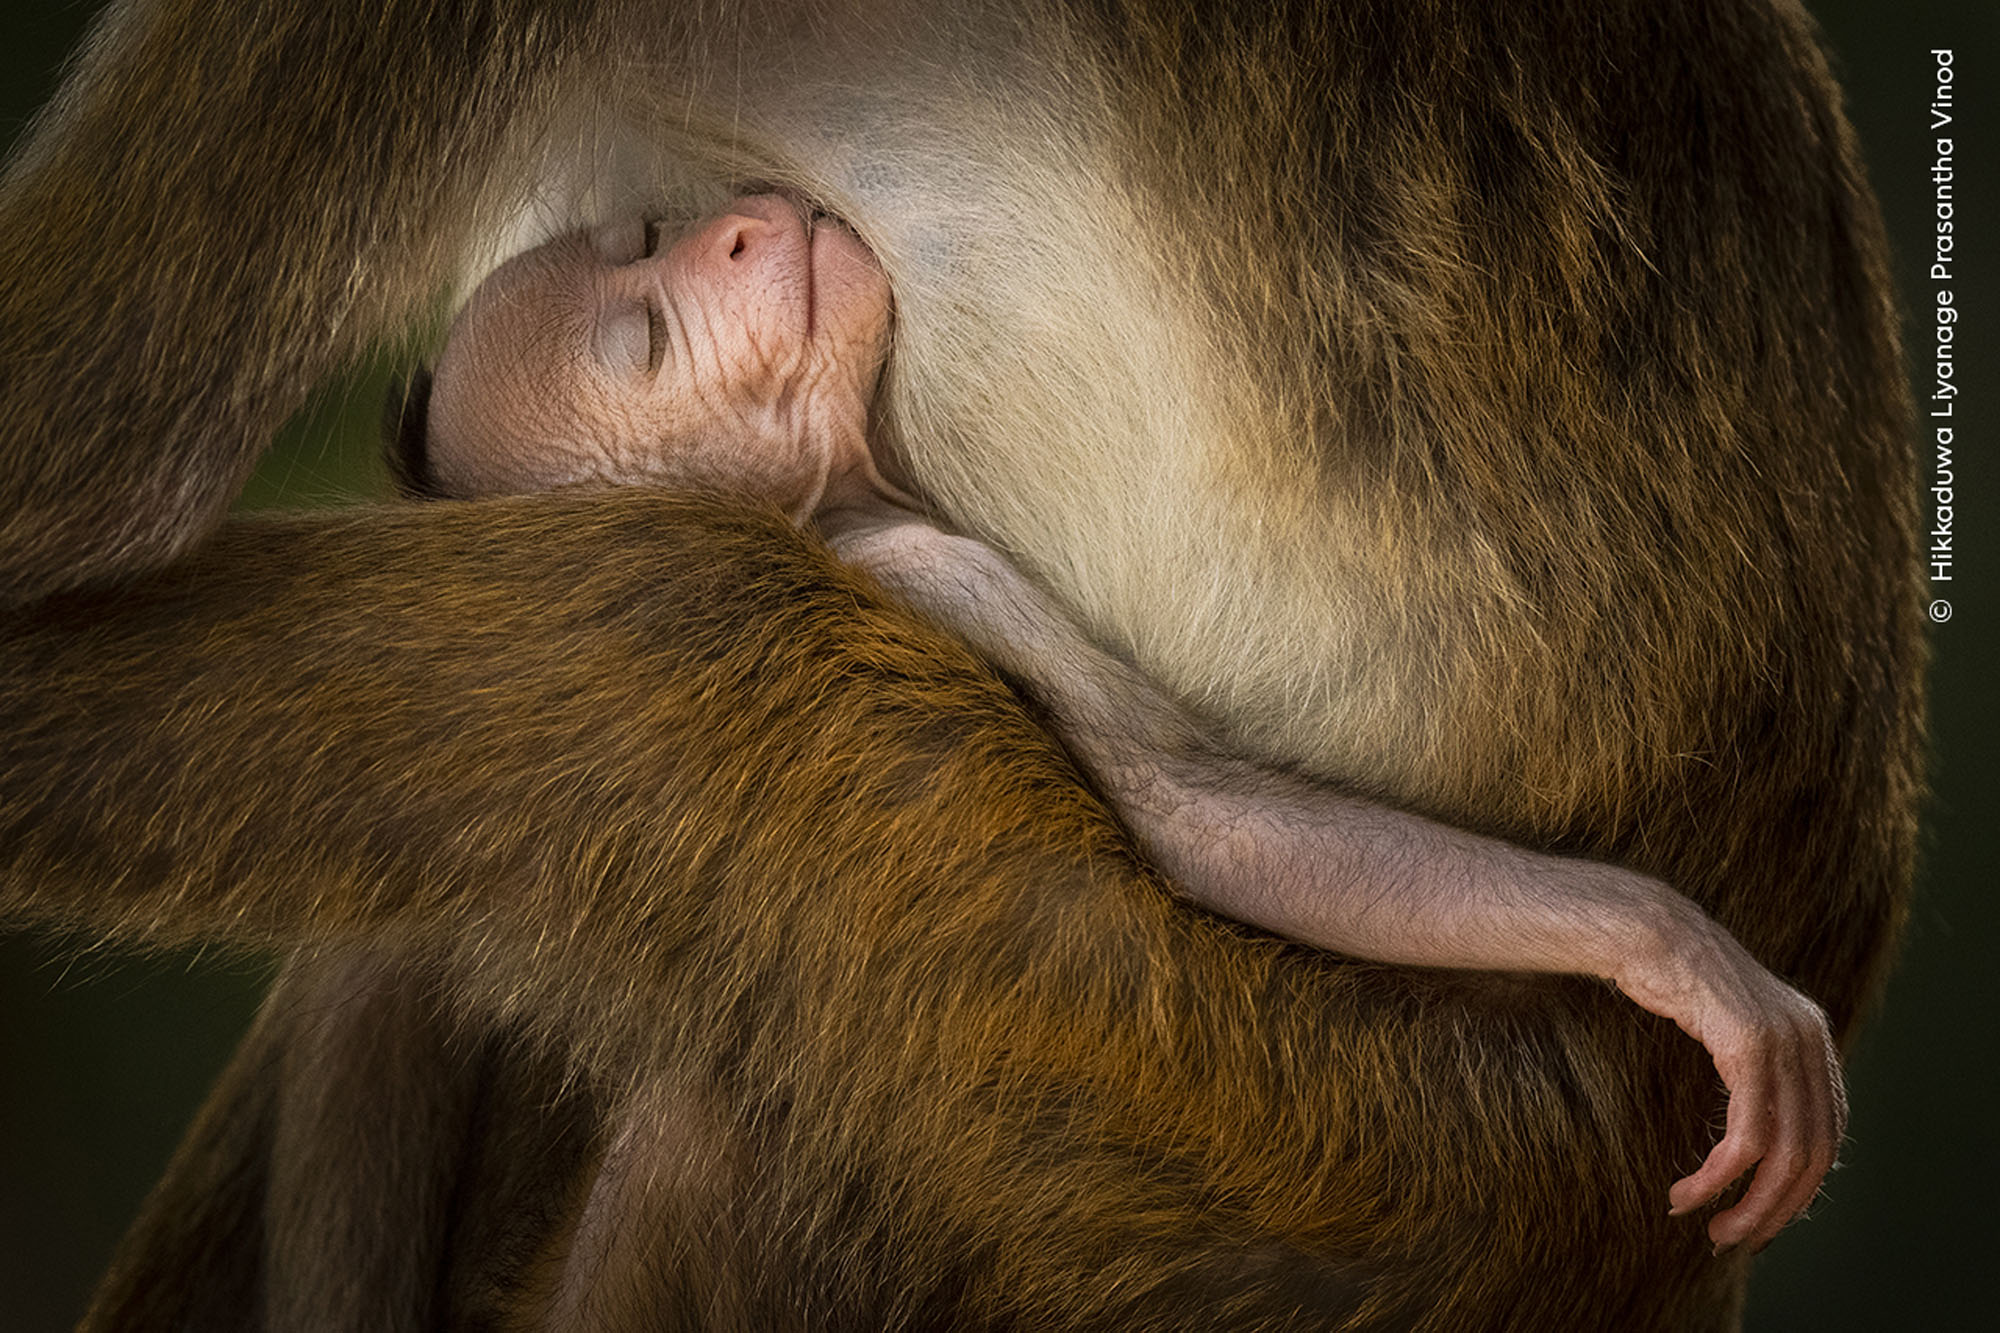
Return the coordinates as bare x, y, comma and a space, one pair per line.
744, 357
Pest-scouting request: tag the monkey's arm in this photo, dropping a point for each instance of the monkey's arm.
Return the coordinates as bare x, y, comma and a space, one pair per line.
224, 202
1304, 861
498, 732
653, 778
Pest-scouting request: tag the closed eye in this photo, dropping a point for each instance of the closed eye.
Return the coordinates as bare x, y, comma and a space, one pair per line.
656, 321
656, 338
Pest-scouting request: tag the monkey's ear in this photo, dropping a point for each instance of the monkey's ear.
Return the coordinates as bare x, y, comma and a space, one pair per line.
406, 437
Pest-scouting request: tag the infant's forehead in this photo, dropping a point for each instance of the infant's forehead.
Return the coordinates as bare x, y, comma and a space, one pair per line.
535, 288
514, 363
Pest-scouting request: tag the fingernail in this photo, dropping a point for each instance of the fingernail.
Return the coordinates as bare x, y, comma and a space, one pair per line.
1724, 1248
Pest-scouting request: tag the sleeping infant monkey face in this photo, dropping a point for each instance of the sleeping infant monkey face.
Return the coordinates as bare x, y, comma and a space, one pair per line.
742, 355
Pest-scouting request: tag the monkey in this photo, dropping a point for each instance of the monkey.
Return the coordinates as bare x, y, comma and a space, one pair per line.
614, 358
617, 357
1587, 602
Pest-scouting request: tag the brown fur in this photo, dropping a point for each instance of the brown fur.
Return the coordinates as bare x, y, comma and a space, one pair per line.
1570, 380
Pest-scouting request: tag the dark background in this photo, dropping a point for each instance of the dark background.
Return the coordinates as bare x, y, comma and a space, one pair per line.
103, 1058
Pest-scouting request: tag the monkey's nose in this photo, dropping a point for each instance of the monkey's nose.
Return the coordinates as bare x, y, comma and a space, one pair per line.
751, 224
738, 235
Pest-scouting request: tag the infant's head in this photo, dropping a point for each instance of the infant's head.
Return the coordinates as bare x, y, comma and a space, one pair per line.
742, 354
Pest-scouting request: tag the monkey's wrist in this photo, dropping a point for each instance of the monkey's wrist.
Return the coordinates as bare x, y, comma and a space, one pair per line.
1592, 918
1667, 952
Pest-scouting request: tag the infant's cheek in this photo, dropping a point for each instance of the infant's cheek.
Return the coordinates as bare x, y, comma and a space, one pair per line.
731, 458
549, 469
471, 475
515, 472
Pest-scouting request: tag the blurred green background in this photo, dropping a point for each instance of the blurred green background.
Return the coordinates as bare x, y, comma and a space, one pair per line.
103, 1058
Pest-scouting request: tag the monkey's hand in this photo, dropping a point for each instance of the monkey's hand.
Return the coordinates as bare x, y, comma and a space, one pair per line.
1775, 1052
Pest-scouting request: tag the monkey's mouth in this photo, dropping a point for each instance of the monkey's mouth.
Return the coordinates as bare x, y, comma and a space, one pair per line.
814, 219
812, 263
831, 247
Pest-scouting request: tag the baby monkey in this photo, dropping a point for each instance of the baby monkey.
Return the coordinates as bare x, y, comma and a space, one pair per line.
744, 354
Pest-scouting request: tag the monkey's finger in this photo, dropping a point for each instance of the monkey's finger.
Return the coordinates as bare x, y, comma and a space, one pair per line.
1725, 1162
1785, 1176
1825, 1106
1745, 1139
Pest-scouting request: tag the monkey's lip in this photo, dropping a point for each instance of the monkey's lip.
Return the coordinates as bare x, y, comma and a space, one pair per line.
832, 247
829, 241
815, 238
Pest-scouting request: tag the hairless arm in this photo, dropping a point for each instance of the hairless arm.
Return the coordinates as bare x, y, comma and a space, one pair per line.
1304, 861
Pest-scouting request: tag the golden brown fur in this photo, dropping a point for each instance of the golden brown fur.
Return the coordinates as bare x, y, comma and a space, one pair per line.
1522, 390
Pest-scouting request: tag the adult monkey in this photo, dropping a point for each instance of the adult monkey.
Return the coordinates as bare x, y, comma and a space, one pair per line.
1608, 474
